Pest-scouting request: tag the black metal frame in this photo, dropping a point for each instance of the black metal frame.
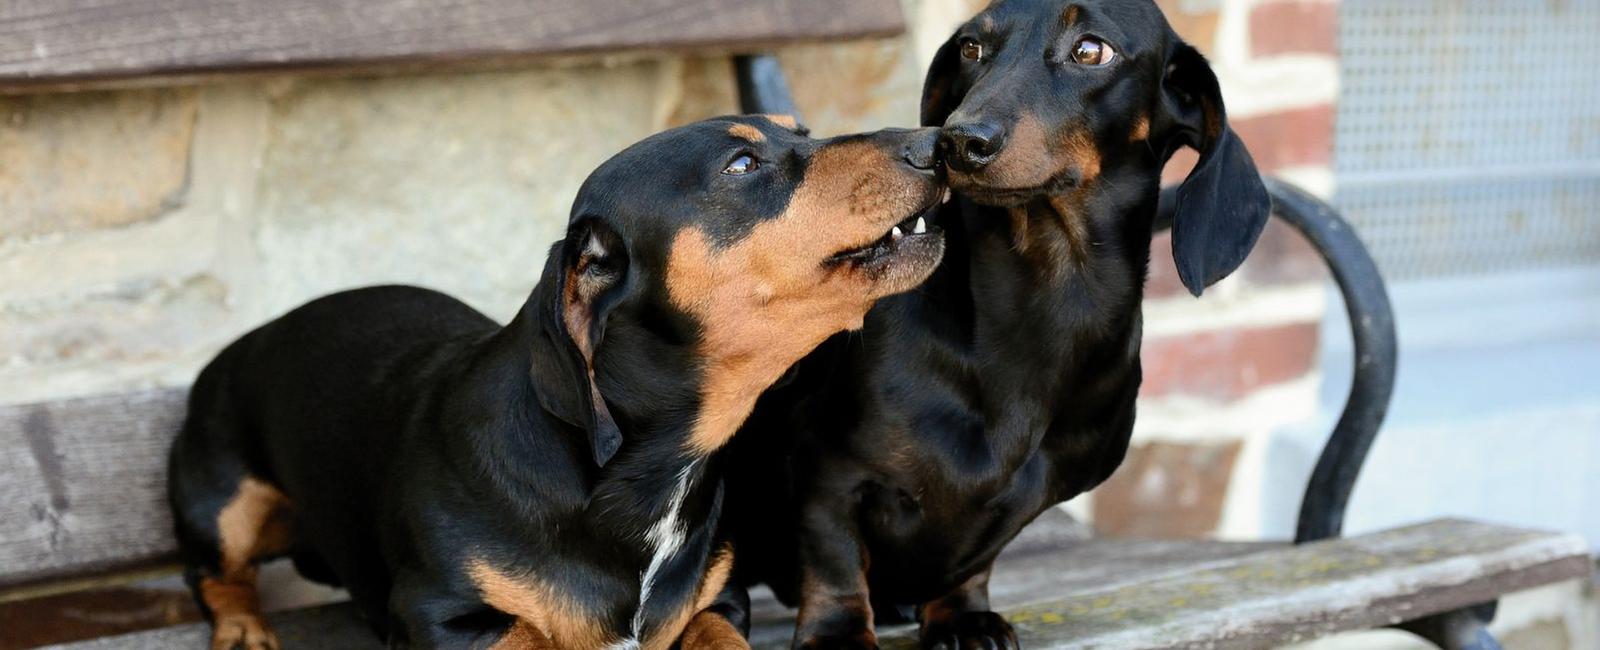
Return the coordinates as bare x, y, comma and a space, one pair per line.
763, 89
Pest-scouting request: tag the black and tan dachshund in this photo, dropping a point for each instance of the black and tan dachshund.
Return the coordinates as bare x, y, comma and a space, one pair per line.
894, 466
549, 483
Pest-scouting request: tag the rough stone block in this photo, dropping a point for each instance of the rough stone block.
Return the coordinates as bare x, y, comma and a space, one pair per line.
73, 162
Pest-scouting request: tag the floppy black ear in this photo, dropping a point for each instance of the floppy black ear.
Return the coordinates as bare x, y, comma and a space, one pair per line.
940, 96
1222, 205
589, 270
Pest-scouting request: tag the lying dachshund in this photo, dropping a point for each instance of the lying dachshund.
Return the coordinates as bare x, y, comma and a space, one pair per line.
548, 484
895, 465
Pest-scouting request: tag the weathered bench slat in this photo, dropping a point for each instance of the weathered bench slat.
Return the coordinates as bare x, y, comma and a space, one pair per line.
1292, 593
57, 41
83, 484
1109, 593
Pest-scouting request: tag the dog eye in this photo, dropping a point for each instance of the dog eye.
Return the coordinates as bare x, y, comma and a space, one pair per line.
1092, 51
971, 49
742, 164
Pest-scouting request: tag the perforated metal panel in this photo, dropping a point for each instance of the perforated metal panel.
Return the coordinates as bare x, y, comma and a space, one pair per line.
1468, 135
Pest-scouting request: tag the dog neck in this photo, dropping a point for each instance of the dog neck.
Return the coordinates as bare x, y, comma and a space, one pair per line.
1029, 293
650, 386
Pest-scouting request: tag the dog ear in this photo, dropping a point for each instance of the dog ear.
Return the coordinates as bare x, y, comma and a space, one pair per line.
1222, 205
590, 269
940, 96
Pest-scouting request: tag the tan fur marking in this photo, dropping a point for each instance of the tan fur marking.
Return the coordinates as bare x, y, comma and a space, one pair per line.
767, 300
747, 132
1141, 129
523, 636
1079, 147
785, 121
254, 524
1026, 161
1034, 156
1070, 18
708, 631
540, 611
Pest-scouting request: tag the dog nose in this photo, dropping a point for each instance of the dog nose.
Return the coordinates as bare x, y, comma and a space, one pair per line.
968, 147
921, 150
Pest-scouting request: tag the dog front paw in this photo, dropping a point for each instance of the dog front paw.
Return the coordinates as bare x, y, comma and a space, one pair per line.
986, 630
242, 632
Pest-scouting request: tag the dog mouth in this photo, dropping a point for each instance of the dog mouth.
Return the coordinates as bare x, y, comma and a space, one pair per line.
970, 188
909, 234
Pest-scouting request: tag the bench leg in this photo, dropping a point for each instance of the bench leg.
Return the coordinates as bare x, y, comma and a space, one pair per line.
1462, 629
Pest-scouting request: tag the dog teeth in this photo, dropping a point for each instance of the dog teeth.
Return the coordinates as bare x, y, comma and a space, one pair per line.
895, 234
921, 227
946, 197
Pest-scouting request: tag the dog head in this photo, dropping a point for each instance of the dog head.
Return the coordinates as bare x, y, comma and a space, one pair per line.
1046, 97
746, 242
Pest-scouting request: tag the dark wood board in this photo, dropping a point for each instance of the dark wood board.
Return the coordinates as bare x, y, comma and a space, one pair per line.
56, 42
83, 484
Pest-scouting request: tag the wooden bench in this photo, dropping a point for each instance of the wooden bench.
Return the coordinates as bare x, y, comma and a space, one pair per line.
82, 480
1063, 588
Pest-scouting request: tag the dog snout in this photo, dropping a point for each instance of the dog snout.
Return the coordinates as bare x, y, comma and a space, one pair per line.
921, 150
969, 146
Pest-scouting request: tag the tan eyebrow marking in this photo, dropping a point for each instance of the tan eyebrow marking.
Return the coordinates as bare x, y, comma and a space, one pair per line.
747, 132
1071, 16
785, 121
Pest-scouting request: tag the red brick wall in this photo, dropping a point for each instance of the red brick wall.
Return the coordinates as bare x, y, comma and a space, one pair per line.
1223, 370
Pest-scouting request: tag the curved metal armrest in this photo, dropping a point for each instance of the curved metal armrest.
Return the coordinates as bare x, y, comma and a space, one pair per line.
1373, 334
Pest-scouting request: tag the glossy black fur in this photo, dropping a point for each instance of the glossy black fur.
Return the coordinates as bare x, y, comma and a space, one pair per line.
411, 432
915, 450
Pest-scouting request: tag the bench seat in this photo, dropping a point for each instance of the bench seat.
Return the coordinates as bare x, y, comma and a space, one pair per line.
1064, 588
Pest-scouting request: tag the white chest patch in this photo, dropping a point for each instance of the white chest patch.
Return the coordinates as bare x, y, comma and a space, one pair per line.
664, 538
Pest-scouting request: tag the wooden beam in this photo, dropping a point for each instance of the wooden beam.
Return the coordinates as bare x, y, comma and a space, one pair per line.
83, 484
57, 42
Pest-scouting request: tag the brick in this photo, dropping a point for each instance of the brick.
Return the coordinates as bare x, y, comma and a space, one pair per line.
1228, 364
1294, 27
1282, 256
85, 161
1163, 281
1167, 490
1293, 138
1195, 21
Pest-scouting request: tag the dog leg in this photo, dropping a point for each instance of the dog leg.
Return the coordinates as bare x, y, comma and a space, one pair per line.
252, 525
835, 605
962, 619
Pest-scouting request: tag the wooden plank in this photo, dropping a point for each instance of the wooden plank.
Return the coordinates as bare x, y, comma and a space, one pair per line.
83, 484
1275, 596
51, 42
335, 627
1108, 593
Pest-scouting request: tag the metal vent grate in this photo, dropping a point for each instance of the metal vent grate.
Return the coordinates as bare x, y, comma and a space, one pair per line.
1468, 135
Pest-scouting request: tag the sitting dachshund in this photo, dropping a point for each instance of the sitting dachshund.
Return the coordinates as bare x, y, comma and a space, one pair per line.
888, 473
549, 483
